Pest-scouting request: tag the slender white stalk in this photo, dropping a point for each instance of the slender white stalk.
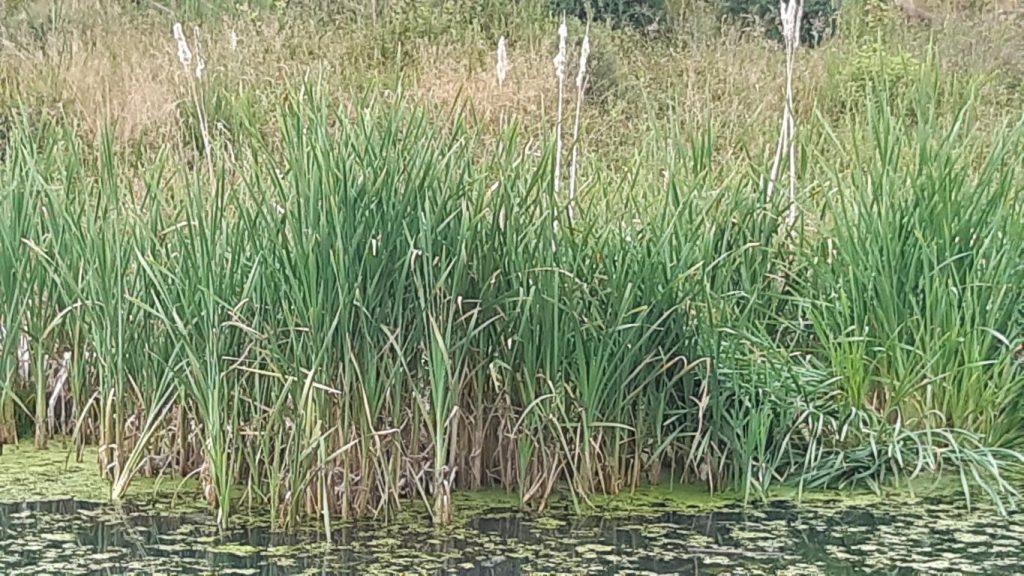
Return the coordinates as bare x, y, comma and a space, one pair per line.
563, 35
560, 64
794, 11
501, 69
791, 14
581, 85
185, 56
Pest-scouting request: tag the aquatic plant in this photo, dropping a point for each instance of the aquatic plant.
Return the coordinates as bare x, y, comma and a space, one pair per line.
358, 305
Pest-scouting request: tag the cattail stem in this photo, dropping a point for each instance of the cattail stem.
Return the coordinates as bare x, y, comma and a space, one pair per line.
563, 34
581, 85
204, 126
501, 69
185, 56
791, 46
791, 15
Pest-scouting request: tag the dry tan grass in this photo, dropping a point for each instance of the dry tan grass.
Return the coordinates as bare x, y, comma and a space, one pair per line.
528, 92
115, 65
88, 75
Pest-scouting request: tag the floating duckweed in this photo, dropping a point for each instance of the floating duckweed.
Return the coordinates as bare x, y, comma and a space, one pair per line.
235, 549
549, 523
811, 538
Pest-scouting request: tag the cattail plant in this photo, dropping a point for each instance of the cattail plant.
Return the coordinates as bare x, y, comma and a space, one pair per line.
501, 66
791, 14
193, 76
581, 84
560, 62
501, 69
372, 313
184, 53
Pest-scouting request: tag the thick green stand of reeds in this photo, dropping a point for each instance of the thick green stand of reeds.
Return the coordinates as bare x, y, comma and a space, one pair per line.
365, 305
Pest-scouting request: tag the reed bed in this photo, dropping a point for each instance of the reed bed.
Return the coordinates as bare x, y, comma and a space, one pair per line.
364, 305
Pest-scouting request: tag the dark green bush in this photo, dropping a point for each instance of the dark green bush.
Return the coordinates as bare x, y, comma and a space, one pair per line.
641, 14
818, 23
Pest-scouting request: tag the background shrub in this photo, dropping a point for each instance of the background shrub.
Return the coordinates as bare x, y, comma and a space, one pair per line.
818, 23
873, 70
641, 14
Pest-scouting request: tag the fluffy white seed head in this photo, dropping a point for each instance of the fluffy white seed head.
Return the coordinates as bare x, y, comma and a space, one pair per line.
791, 13
233, 40
502, 66
563, 36
184, 54
581, 76
200, 66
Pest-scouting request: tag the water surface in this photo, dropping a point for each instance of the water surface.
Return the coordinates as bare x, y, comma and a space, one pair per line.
69, 536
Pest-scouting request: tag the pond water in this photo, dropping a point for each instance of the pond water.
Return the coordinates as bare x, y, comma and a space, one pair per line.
68, 536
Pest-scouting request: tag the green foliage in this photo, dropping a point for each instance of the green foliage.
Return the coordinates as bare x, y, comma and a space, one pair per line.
639, 14
866, 20
605, 74
360, 299
923, 287
818, 23
478, 20
873, 69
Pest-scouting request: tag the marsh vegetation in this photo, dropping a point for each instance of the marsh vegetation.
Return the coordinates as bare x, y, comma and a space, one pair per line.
331, 267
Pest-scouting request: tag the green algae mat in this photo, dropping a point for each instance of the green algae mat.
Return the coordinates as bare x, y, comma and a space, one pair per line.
53, 520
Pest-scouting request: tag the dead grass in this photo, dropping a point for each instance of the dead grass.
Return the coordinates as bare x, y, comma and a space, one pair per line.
88, 75
117, 65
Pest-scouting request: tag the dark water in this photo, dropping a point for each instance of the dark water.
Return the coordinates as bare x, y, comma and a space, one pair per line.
72, 537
